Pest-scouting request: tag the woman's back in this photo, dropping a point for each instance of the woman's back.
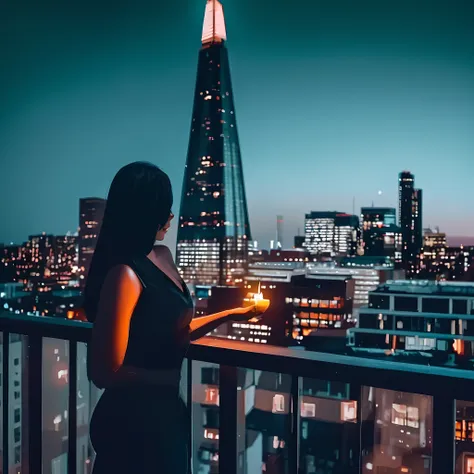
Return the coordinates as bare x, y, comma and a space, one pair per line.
159, 327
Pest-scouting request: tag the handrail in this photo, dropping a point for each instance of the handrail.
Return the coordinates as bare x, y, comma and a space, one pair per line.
391, 375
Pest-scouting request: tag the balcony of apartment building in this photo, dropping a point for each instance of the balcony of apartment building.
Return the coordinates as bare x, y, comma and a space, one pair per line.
254, 409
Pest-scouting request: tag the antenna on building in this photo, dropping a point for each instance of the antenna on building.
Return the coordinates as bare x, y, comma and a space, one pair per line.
279, 232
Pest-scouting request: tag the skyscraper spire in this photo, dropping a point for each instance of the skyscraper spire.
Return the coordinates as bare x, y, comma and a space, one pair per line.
213, 29
214, 228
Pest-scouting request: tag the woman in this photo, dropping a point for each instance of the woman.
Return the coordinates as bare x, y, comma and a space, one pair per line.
143, 323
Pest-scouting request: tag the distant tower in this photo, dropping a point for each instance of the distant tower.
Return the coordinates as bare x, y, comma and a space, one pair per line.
410, 221
91, 212
332, 233
279, 232
214, 230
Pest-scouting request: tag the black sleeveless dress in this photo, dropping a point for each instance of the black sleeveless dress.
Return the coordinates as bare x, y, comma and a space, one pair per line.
145, 428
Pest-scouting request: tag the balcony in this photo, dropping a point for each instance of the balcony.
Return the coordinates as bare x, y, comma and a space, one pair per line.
275, 411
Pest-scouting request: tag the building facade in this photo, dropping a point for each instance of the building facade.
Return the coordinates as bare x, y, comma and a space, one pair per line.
377, 217
414, 316
380, 235
91, 213
332, 233
410, 221
214, 230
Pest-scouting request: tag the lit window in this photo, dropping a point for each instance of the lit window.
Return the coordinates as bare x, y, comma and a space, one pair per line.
212, 396
278, 403
308, 410
349, 411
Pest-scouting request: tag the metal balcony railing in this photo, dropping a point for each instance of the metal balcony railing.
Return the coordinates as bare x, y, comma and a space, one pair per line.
445, 385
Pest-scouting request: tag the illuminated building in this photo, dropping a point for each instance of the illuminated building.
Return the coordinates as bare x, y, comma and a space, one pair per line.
16, 413
380, 235
331, 233
281, 255
410, 221
384, 242
438, 261
91, 212
397, 432
366, 278
9, 261
377, 217
214, 231
36, 257
417, 316
63, 266
465, 436
329, 428
300, 304
434, 255
55, 407
318, 303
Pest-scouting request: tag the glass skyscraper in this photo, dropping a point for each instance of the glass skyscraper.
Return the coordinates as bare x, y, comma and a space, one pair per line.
213, 232
410, 219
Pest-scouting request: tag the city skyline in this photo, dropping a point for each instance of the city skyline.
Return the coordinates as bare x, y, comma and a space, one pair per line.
350, 99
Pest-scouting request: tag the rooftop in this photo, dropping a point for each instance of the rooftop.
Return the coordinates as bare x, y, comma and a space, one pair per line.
427, 287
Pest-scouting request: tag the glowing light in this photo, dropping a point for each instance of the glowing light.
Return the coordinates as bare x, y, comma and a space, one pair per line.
213, 29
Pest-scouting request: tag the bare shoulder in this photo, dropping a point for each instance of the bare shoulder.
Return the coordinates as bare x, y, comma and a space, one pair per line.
122, 277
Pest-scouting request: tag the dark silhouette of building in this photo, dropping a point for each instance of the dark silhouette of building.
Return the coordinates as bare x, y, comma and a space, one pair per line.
384, 242
410, 221
298, 242
91, 212
214, 231
380, 234
279, 233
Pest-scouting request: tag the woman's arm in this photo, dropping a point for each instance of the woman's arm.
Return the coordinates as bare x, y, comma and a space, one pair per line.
118, 298
199, 327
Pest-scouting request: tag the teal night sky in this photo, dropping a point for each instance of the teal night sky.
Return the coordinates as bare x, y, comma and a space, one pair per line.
333, 99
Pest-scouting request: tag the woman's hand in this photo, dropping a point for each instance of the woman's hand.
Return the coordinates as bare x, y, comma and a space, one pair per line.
243, 314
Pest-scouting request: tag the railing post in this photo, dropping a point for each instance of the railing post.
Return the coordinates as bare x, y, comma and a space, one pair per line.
35, 403
6, 401
228, 429
189, 401
444, 420
72, 418
293, 448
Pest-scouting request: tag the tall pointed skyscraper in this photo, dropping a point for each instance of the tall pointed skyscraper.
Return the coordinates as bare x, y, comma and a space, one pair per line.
214, 230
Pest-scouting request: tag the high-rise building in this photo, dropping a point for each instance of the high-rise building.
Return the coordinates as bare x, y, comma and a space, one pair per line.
63, 267
91, 212
410, 221
380, 235
331, 233
36, 257
9, 261
377, 217
214, 230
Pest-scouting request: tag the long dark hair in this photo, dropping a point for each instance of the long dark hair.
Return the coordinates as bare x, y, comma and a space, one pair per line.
138, 205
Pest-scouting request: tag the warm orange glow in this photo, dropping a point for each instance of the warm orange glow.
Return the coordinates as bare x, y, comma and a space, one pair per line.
257, 299
213, 29
70, 315
458, 346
